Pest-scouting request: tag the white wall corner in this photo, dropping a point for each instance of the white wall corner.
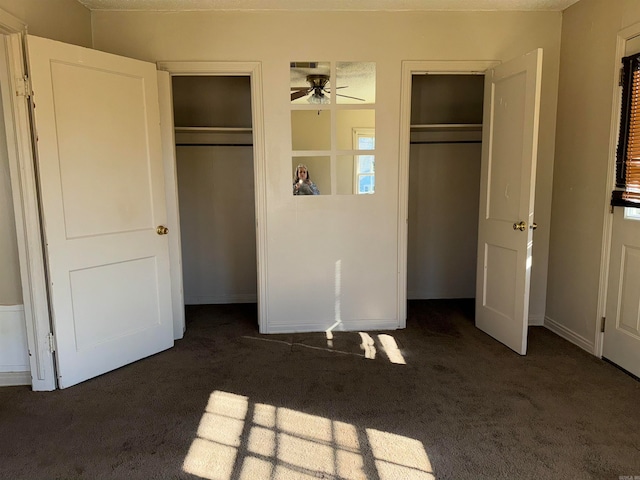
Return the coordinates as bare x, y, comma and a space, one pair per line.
569, 335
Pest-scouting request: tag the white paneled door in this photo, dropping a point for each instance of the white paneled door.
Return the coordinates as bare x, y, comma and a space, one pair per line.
505, 229
102, 193
622, 327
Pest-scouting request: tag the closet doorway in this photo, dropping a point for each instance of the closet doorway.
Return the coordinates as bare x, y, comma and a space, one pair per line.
216, 184
505, 221
444, 185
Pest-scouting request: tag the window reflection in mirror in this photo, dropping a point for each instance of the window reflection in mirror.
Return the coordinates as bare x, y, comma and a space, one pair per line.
311, 130
355, 174
356, 82
310, 83
348, 121
311, 175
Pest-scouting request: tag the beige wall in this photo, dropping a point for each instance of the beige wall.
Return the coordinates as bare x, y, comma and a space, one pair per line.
215, 190
580, 189
64, 20
444, 197
311, 130
334, 258
217, 224
10, 290
444, 187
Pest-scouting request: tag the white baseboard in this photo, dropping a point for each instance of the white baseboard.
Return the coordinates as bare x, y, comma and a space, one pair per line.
345, 326
569, 335
220, 299
12, 379
536, 320
415, 295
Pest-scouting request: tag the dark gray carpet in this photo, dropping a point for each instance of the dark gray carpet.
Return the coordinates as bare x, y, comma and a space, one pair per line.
229, 403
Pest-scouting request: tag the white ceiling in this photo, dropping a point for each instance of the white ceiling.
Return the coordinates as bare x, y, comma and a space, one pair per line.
328, 5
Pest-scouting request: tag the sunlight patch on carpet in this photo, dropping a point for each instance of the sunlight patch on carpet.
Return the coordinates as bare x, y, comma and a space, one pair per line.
391, 349
367, 348
368, 345
399, 457
240, 439
213, 453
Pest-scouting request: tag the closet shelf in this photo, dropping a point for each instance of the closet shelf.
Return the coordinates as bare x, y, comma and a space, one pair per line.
448, 127
213, 129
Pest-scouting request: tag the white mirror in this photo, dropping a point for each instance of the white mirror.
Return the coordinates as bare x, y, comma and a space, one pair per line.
356, 83
333, 127
310, 83
311, 130
311, 175
355, 129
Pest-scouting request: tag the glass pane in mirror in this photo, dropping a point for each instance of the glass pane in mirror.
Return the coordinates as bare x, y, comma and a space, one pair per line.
355, 174
311, 175
310, 82
311, 130
355, 82
355, 129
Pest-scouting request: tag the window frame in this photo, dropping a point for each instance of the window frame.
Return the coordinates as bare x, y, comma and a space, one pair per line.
363, 132
627, 192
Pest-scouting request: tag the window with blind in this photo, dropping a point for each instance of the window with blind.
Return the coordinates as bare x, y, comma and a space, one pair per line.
627, 191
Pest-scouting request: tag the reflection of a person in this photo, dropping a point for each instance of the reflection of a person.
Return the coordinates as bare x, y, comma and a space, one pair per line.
302, 184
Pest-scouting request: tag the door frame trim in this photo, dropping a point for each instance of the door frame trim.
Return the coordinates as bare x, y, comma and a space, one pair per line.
26, 204
254, 71
622, 37
410, 68
167, 136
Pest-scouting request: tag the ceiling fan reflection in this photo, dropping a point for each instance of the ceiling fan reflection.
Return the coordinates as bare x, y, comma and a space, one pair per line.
317, 88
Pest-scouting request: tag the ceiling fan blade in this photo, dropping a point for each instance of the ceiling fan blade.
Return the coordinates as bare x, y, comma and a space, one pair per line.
347, 96
328, 90
300, 94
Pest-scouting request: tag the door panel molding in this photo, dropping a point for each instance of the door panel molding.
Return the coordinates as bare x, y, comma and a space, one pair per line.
628, 301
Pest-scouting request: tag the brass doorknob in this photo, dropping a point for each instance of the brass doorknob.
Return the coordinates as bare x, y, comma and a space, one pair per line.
533, 226
520, 226
162, 230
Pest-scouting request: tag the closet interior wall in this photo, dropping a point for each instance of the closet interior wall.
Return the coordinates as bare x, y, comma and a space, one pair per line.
214, 156
444, 185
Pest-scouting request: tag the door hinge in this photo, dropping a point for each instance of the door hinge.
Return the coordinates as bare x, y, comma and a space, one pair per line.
602, 322
621, 79
52, 342
23, 87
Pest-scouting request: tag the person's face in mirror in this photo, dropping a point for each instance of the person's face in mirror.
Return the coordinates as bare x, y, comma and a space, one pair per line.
302, 173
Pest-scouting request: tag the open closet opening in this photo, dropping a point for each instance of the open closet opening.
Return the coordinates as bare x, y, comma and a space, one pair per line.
444, 185
216, 191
